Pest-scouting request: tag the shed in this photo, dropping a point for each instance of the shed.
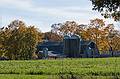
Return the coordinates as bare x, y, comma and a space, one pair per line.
56, 47
88, 49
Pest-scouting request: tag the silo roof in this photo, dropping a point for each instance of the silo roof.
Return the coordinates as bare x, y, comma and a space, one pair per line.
72, 36
66, 37
75, 37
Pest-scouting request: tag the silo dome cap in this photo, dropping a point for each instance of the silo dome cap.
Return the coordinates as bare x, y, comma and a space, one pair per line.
75, 36
66, 37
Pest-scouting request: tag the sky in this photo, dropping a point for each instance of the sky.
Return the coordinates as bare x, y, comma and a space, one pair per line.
44, 13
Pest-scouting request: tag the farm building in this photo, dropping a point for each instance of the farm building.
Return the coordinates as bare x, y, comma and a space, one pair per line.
72, 46
88, 49
54, 49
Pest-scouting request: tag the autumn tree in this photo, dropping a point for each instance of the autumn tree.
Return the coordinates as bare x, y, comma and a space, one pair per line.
112, 38
105, 36
4, 36
52, 36
67, 28
20, 41
108, 8
2, 50
32, 38
17, 30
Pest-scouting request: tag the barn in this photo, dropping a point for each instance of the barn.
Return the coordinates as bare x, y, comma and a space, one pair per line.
88, 49
56, 47
72, 46
75, 47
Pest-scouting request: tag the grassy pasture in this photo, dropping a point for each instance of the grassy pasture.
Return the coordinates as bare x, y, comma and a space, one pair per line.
84, 68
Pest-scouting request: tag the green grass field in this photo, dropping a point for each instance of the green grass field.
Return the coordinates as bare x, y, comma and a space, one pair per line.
82, 68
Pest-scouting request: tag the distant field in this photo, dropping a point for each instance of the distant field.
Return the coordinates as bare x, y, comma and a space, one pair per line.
86, 68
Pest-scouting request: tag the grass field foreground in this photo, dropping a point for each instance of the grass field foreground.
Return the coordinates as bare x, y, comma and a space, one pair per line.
102, 68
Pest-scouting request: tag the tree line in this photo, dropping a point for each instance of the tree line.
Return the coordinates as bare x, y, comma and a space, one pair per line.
106, 37
18, 41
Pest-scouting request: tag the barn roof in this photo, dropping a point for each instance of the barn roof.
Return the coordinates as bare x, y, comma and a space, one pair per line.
52, 54
54, 43
83, 42
50, 43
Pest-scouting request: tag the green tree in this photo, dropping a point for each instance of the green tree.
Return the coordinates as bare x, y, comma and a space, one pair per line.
108, 8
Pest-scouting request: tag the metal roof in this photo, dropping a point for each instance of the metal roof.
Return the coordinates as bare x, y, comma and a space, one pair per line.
86, 42
74, 36
50, 43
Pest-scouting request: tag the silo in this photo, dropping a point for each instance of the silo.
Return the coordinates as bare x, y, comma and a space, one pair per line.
66, 44
72, 46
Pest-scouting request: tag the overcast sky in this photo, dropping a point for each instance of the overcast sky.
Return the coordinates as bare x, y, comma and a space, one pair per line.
44, 13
